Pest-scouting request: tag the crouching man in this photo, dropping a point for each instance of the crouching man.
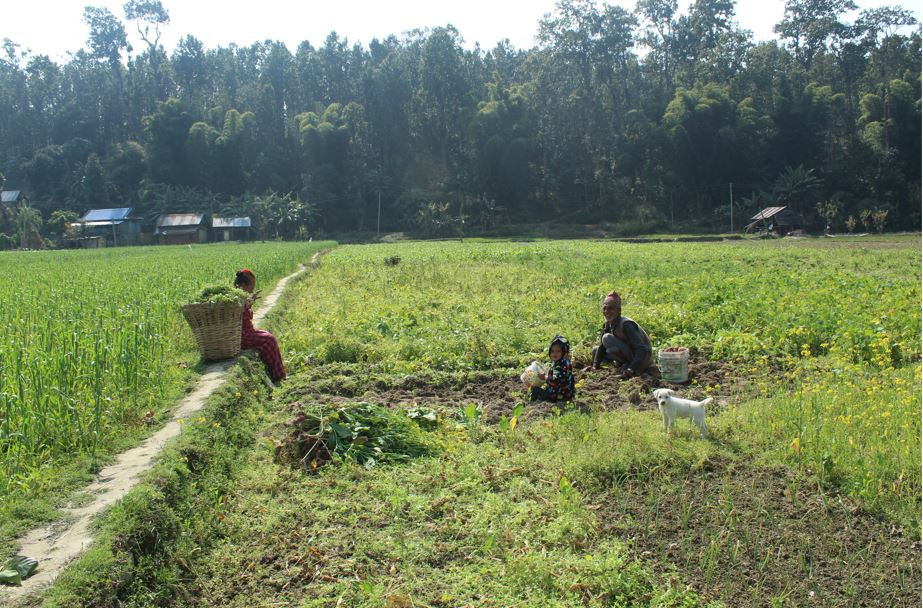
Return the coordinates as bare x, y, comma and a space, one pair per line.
622, 341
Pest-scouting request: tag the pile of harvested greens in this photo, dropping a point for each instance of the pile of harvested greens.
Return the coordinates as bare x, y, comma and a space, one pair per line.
362, 432
215, 294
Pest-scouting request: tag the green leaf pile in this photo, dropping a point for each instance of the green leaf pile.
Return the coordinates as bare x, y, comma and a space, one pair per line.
216, 294
17, 569
362, 432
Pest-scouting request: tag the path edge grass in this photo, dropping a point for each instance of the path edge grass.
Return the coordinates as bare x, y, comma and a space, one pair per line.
67, 481
176, 508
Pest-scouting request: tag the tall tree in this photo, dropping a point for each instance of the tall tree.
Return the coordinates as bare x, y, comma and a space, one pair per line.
442, 96
192, 72
659, 17
808, 25
149, 16
166, 131
107, 41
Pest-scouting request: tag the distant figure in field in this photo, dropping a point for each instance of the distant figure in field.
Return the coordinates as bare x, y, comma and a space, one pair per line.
622, 340
250, 337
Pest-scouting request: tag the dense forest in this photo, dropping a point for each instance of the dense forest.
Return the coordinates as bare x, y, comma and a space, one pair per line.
646, 119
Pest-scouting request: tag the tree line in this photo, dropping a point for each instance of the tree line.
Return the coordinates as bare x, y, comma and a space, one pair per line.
642, 119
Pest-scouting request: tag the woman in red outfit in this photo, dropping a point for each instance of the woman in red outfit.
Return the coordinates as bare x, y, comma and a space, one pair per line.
263, 341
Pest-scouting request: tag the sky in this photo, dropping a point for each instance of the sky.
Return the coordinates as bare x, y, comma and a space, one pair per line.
55, 27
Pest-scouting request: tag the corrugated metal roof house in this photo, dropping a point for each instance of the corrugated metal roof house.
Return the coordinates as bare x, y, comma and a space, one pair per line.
114, 225
181, 228
10, 197
107, 217
775, 219
230, 228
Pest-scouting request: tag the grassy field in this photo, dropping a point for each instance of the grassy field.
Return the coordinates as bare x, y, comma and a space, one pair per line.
483, 306
94, 350
807, 491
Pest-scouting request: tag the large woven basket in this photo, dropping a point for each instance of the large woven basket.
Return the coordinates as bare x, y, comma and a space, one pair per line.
216, 327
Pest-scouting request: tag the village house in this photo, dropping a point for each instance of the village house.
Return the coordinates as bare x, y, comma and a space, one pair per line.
11, 197
106, 227
775, 220
181, 229
230, 229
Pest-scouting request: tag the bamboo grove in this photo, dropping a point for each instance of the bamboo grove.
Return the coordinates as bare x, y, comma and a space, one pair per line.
640, 118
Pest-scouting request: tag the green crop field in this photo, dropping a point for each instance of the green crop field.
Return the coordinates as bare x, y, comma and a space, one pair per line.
839, 325
92, 341
401, 463
816, 352
484, 305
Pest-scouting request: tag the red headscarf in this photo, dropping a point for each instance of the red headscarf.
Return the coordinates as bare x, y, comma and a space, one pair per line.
614, 299
240, 280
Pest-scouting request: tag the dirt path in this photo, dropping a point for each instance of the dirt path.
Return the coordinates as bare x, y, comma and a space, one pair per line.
54, 546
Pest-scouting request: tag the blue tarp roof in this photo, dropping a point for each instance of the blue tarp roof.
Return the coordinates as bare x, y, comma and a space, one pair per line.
107, 215
9, 196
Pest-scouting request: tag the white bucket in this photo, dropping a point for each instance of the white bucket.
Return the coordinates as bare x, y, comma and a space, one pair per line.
674, 365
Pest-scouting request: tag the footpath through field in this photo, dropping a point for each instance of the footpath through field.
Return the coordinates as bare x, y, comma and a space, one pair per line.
56, 545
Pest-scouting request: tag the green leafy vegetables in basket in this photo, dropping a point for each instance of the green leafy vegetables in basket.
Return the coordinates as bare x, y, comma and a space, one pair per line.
216, 294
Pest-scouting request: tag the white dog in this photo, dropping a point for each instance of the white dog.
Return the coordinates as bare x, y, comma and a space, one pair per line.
672, 408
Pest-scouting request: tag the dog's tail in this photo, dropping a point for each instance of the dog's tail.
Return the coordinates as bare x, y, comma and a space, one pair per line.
706, 402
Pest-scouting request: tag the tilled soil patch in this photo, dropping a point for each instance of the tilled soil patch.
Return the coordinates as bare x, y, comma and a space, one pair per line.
497, 394
761, 537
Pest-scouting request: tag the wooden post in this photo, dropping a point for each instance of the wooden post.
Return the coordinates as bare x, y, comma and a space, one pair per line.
671, 210
731, 187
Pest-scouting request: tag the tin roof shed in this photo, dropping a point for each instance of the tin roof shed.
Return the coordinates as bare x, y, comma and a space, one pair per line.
180, 220
230, 222
780, 216
106, 217
10, 196
766, 213
178, 223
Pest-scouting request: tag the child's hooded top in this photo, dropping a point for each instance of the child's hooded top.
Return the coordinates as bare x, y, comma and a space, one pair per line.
560, 376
